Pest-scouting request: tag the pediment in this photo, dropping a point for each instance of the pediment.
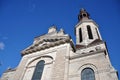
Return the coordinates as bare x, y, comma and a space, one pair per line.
45, 43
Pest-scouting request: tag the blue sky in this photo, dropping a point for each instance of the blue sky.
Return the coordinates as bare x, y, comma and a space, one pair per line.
22, 20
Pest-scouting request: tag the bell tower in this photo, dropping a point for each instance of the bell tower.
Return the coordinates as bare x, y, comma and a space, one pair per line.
86, 29
91, 60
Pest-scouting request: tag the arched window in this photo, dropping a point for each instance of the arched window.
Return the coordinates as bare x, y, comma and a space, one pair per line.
89, 32
38, 70
87, 74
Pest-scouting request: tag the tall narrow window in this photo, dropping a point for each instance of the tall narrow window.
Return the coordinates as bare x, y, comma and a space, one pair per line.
38, 70
80, 35
89, 32
87, 74
97, 33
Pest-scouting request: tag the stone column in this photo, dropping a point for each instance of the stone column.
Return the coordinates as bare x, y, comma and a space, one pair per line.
59, 65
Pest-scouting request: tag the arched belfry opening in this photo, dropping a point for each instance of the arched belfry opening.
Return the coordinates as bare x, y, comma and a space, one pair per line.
83, 15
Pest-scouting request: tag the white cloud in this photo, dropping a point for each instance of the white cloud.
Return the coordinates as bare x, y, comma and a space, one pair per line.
2, 46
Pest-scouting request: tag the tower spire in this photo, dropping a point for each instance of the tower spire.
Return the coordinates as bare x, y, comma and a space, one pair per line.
83, 15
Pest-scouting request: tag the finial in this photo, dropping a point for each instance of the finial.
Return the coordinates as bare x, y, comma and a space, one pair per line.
52, 29
83, 14
82, 9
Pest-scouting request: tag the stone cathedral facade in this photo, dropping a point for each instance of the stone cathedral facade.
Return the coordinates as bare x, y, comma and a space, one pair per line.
54, 56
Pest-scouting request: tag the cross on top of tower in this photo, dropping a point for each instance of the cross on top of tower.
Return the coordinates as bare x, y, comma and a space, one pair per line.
83, 15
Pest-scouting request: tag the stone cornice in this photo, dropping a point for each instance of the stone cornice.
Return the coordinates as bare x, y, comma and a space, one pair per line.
96, 42
10, 70
46, 43
86, 54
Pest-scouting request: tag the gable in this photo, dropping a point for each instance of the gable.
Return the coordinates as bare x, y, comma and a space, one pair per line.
48, 40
